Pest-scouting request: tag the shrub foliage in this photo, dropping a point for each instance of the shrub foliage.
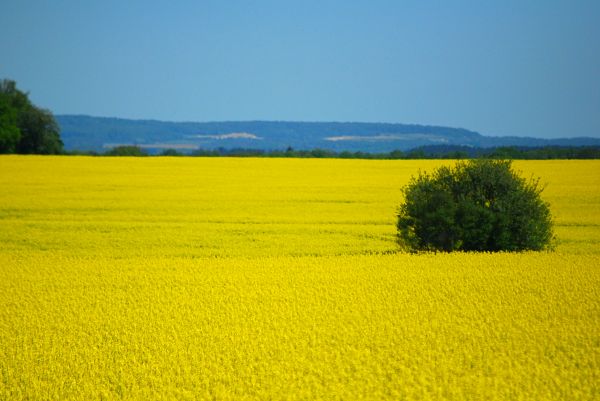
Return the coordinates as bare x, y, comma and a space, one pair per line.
477, 205
126, 150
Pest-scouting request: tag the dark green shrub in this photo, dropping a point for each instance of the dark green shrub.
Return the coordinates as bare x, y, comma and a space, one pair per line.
171, 152
126, 150
477, 205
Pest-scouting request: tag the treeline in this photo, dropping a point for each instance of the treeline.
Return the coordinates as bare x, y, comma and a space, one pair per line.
429, 152
25, 128
508, 152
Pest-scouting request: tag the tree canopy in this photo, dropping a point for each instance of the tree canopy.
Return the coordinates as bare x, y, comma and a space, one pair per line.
25, 128
478, 205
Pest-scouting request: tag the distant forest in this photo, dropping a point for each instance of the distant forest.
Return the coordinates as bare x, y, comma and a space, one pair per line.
425, 152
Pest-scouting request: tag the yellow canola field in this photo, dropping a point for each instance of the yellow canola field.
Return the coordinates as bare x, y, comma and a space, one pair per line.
233, 279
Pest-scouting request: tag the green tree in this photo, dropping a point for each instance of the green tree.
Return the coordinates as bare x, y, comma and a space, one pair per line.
10, 100
39, 132
25, 128
478, 205
9, 130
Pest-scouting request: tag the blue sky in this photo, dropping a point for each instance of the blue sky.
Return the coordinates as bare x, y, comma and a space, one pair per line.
498, 67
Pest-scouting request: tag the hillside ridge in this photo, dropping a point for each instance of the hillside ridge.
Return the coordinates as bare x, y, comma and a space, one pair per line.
83, 132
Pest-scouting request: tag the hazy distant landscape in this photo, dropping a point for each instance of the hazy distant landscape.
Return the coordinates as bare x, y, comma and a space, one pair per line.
86, 133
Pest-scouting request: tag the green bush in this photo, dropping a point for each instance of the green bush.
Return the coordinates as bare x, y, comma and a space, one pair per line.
126, 150
171, 152
477, 205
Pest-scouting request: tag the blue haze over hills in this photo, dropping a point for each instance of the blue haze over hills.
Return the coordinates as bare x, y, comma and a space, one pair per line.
86, 133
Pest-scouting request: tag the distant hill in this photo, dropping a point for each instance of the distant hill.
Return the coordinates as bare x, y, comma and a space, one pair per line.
101, 133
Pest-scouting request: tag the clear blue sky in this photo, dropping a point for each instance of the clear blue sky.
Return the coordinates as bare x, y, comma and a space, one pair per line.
498, 67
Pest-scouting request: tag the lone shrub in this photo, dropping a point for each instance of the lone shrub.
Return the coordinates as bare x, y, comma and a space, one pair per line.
478, 205
126, 150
